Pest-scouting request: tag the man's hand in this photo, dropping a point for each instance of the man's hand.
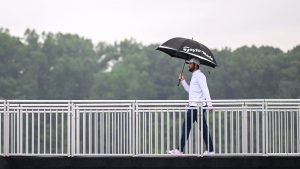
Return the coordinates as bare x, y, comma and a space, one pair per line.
181, 77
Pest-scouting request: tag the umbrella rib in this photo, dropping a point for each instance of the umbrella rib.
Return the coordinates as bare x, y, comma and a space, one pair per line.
199, 57
183, 43
165, 47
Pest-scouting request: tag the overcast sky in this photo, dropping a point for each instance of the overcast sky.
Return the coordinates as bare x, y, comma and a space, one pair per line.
215, 23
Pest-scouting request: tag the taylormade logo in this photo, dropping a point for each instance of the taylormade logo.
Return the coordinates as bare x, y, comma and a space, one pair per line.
194, 50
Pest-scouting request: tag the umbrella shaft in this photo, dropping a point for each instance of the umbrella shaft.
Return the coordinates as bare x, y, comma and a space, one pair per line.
181, 73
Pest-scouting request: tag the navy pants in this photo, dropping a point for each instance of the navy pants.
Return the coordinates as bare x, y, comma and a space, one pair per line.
186, 128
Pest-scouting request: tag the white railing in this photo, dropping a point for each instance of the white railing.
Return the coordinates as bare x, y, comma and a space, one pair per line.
103, 128
3, 132
146, 128
38, 128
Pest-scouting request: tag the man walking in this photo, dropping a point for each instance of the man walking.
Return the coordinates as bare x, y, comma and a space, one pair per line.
197, 90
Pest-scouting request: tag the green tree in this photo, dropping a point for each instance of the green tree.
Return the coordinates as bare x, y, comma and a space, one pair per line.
10, 67
70, 67
67, 66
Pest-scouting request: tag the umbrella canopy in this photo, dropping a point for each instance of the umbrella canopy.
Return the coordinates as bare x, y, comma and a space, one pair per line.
186, 49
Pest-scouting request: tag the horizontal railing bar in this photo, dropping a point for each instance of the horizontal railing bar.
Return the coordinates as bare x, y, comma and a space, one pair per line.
186, 101
41, 105
167, 155
104, 104
162, 104
162, 108
104, 101
40, 155
233, 108
108, 111
164, 112
229, 100
280, 104
214, 108
103, 155
282, 108
103, 108
282, 100
184, 104
238, 155
38, 101
283, 154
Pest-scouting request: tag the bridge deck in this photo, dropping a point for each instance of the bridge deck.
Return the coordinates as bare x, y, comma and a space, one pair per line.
185, 162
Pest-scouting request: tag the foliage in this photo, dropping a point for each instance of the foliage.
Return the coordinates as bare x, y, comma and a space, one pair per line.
67, 66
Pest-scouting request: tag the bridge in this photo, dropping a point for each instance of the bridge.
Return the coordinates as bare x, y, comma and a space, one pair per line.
138, 133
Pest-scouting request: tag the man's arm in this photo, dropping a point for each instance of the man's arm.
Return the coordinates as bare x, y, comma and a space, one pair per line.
184, 83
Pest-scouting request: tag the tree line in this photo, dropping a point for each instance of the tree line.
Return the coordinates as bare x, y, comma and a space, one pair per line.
68, 66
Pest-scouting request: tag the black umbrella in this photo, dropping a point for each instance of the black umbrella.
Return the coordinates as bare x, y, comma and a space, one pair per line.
186, 49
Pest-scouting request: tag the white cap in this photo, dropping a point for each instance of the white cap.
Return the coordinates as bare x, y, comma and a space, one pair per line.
193, 60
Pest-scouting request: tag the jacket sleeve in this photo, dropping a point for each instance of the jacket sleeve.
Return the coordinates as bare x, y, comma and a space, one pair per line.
185, 86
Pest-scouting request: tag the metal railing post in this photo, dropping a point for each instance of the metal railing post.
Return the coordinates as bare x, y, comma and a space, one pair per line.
298, 129
6, 129
265, 128
136, 130
244, 129
72, 142
201, 131
130, 130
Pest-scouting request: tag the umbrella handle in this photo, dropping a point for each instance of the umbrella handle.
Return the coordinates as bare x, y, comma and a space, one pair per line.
181, 72
178, 82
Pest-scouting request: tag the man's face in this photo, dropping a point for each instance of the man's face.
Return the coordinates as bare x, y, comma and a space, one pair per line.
192, 67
